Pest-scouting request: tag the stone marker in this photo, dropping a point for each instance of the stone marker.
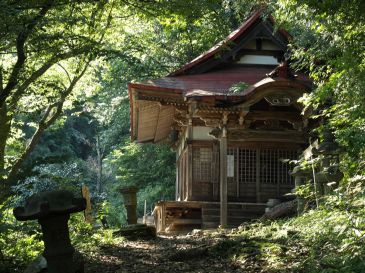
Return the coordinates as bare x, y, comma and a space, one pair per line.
52, 210
130, 203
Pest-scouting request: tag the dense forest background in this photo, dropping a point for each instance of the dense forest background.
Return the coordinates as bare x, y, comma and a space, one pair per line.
64, 105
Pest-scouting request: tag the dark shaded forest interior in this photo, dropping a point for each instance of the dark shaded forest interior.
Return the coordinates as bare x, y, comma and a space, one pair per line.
245, 157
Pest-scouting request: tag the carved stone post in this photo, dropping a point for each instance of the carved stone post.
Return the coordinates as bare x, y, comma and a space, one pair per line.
130, 203
52, 210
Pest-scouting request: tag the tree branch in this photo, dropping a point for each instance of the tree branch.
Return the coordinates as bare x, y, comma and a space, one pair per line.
46, 121
21, 57
66, 72
40, 71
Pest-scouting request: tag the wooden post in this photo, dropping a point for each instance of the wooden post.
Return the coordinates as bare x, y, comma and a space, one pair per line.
190, 160
163, 217
145, 211
258, 171
223, 177
177, 182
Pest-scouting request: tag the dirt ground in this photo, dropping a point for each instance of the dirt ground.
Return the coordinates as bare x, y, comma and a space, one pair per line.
191, 254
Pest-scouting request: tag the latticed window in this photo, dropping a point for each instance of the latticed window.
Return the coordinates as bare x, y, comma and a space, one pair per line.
259, 172
205, 171
246, 166
274, 167
202, 164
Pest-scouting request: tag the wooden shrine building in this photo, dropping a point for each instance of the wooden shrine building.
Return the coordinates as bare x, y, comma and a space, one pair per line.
233, 118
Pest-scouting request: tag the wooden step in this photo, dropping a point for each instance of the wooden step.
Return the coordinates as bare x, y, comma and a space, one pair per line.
186, 221
207, 225
234, 212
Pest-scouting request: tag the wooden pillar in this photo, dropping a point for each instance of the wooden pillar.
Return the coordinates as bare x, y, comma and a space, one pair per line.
163, 217
190, 159
178, 180
258, 167
223, 177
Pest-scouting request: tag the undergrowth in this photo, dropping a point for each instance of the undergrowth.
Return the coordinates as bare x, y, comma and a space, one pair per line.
21, 242
329, 239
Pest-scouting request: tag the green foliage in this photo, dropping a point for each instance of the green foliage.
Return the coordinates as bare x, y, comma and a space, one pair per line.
19, 243
335, 58
139, 40
328, 239
135, 163
86, 239
239, 87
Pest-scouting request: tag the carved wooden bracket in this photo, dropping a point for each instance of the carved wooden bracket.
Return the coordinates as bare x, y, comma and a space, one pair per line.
225, 118
210, 122
242, 116
181, 120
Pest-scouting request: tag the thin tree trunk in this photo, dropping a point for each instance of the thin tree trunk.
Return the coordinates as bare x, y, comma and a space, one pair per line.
100, 165
5, 126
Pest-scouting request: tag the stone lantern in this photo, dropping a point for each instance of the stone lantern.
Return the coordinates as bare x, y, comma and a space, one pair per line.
330, 174
130, 202
52, 210
300, 175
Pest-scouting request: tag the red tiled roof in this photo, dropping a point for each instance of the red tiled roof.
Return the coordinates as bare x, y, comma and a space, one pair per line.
216, 82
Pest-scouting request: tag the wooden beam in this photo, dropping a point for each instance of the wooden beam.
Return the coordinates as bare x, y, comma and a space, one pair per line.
265, 115
288, 136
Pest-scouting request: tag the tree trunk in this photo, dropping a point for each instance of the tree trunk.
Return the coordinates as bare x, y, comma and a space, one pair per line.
99, 165
5, 125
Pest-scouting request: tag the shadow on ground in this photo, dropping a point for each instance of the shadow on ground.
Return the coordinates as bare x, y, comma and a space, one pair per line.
163, 254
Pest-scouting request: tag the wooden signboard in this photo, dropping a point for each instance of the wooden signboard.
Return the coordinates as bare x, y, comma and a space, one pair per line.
230, 165
88, 211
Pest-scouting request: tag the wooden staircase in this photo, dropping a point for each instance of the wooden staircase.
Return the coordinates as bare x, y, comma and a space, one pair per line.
237, 213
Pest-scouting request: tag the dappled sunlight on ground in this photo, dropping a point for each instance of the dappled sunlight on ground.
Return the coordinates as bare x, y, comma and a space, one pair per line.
164, 254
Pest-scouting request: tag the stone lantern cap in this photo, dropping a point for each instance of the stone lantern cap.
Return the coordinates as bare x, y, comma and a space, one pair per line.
328, 146
127, 190
45, 204
299, 171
